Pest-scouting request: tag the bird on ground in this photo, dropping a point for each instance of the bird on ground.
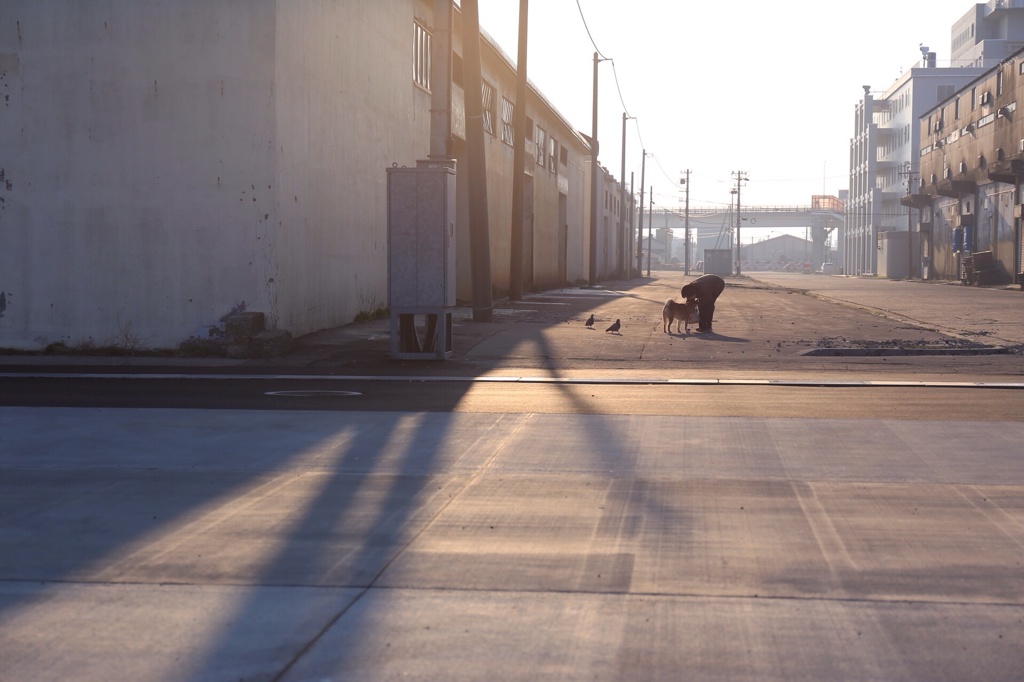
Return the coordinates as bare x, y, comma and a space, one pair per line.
615, 327
590, 322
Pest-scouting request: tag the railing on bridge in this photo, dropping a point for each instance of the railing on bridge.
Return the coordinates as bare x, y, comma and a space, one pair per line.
819, 203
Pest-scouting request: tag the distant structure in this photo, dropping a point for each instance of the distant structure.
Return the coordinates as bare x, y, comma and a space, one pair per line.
989, 33
884, 148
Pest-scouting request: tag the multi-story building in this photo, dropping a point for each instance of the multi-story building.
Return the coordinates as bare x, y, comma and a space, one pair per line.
883, 150
987, 34
972, 166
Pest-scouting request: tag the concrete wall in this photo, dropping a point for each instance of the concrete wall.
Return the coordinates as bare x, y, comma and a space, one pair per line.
137, 141
346, 109
170, 162
166, 163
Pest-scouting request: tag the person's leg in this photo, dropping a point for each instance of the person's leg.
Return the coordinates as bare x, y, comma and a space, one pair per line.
707, 314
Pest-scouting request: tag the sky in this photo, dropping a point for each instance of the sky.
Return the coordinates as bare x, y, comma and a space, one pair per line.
767, 88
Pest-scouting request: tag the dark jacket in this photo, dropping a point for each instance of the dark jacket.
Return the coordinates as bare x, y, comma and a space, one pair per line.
705, 289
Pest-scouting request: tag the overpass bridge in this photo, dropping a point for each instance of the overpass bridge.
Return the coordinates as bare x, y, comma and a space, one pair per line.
713, 227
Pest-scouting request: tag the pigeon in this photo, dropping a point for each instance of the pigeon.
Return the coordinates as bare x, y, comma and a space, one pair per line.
615, 327
590, 321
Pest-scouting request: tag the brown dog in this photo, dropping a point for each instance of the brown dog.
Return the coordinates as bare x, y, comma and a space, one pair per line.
682, 313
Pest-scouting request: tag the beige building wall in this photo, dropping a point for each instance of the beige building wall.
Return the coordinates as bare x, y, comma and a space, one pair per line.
167, 163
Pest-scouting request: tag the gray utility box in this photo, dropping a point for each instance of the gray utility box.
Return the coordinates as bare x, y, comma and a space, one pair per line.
718, 262
894, 260
421, 259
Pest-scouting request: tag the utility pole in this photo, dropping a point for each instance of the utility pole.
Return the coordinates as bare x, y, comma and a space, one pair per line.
686, 221
479, 226
910, 175
624, 242
441, 82
640, 232
594, 148
740, 179
515, 275
650, 224
629, 240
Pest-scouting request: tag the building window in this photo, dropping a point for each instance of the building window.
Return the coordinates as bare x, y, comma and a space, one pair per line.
507, 130
552, 154
563, 155
541, 138
489, 105
956, 108
974, 98
420, 56
999, 82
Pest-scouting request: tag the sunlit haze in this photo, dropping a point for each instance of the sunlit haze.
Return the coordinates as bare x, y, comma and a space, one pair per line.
768, 88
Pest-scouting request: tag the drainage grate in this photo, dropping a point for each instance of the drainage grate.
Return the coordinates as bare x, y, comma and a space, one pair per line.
312, 394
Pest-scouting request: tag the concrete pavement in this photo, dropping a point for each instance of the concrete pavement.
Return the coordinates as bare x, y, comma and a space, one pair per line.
189, 544
213, 545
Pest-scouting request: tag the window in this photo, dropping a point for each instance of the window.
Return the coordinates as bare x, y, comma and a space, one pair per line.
420, 56
999, 82
552, 154
507, 130
489, 105
563, 155
956, 108
457, 70
541, 138
974, 98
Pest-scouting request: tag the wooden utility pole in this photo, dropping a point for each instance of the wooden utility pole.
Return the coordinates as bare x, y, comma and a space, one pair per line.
479, 225
515, 275
624, 241
629, 239
686, 219
740, 179
441, 82
594, 146
640, 232
650, 225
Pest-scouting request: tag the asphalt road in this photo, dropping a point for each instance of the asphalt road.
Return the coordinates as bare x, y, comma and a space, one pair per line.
805, 397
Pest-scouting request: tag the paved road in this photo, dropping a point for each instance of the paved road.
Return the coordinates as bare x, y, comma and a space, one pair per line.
599, 522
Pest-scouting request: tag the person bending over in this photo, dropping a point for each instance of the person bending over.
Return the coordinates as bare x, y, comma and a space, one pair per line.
705, 290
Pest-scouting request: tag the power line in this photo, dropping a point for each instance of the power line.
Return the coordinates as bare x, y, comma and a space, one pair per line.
584, 19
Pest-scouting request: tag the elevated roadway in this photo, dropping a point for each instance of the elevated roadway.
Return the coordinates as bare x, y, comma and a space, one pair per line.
717, 223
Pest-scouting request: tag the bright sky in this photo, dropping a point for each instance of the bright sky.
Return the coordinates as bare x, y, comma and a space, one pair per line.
768, 88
